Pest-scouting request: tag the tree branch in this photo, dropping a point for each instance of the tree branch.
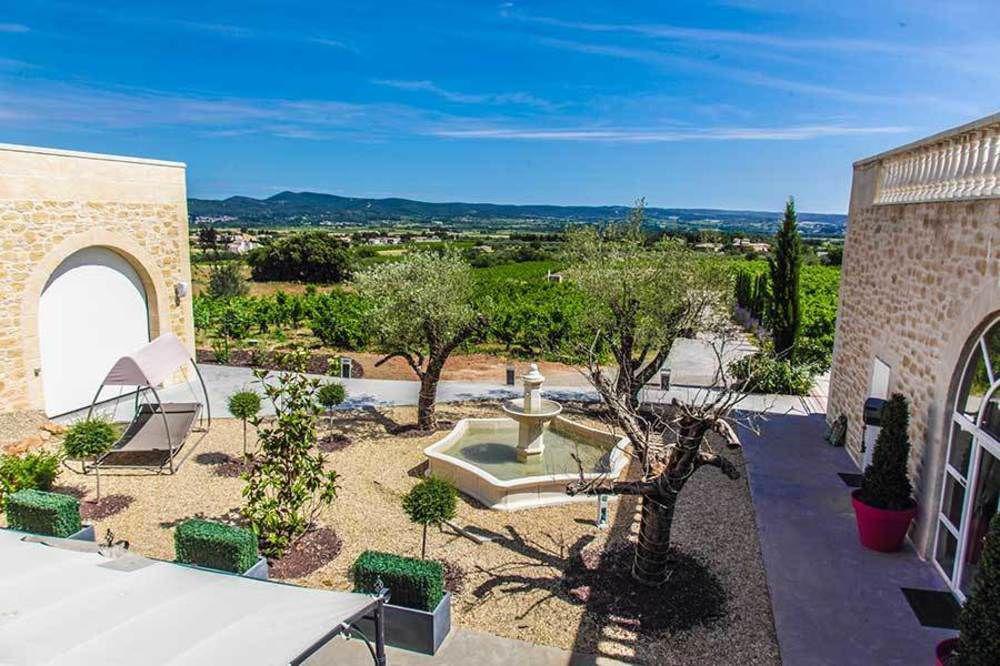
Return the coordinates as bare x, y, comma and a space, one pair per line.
404, 355
715, 460
608, 487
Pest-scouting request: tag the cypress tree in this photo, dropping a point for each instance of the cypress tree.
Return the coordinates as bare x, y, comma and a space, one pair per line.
979, 622
761, 297
886, 484
785, 264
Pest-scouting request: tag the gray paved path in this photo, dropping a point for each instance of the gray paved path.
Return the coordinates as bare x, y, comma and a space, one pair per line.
463, 647
834, 601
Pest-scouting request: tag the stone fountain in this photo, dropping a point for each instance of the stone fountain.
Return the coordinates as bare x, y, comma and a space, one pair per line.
532, 413
526, 458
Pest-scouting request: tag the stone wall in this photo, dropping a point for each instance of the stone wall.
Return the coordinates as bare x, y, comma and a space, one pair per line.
53, 203
920, 281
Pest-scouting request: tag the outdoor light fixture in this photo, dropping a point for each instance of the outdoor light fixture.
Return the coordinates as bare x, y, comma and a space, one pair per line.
180, 290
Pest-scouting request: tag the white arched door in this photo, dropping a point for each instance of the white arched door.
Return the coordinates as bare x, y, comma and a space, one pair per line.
92, 311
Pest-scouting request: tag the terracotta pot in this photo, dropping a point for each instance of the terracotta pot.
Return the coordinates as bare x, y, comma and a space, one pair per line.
881, 529
943, 651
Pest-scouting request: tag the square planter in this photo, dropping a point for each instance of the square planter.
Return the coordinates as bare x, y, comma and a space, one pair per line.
260, 570
86, 533
412, 629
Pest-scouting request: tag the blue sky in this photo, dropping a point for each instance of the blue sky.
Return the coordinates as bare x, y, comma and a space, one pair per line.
727, 104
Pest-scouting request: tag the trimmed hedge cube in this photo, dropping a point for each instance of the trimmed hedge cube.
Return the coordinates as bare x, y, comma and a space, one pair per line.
39, 512
412, 583
215, 546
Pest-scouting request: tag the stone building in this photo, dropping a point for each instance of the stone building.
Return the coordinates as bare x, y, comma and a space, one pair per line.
919, 314
93, 263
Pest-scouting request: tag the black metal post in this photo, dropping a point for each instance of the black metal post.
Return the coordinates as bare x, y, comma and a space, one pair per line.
380, 658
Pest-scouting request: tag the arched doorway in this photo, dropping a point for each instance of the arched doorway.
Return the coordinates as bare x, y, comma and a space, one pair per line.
970, 494
92, 310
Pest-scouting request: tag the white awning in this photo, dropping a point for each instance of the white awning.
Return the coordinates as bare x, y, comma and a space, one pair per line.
64, 607
151, 364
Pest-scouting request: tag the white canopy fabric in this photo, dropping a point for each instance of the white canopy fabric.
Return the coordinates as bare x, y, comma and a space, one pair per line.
63, 607
151, 364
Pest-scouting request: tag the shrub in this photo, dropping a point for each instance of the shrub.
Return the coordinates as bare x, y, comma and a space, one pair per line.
430, 502
39, 512
886, 484
89, 439
762, 373
215, 546
36, 471
244, 405
287, 486
979, 621
225, 280
412, 583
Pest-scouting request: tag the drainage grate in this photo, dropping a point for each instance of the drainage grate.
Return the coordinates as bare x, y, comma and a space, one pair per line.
852, 480
933, 608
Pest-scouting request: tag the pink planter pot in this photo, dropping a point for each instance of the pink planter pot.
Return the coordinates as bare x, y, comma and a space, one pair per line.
943, 651
881, 529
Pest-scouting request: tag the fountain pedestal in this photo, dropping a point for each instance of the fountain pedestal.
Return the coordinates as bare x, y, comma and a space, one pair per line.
532, 413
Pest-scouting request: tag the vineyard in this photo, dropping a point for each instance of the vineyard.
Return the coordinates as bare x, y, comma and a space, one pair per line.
818, 294
529, 316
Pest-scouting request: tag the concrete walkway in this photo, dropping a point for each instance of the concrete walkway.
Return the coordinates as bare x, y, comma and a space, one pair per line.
463, 647
834, 602
222, 381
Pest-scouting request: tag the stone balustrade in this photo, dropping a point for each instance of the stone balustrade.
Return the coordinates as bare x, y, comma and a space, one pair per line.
961, 165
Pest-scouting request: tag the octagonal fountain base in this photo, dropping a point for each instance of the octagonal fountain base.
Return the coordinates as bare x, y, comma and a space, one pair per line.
480, 457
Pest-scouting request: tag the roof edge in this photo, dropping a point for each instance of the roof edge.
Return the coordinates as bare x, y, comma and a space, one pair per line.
15, 148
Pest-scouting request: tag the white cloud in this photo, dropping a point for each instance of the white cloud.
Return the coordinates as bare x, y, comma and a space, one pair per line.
14, 27
667, 135
514, 98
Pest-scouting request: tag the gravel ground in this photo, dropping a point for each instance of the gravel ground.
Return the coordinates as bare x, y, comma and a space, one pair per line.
15, 426
515, 585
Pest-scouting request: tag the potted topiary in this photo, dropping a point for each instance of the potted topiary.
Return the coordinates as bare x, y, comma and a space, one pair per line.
418, 615
210, 545
48, 514
883, 505
430, 502
244, 405
978, 641
329, 396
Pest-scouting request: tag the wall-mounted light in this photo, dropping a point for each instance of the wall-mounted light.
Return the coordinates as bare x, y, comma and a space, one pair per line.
180, 290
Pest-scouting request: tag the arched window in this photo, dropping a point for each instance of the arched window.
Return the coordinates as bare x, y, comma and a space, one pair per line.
970, 495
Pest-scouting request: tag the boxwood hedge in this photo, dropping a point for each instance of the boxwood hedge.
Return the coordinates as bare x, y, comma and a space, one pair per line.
39, 512
412, 583
216, 546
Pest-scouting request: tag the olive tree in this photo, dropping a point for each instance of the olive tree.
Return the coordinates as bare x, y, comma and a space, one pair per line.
642, 296
669, 444
422, 310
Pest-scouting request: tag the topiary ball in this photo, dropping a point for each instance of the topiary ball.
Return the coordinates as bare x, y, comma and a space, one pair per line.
244, 404
431, 502
331, 395
89, 438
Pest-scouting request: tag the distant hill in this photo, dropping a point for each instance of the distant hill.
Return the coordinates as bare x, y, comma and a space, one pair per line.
310, 208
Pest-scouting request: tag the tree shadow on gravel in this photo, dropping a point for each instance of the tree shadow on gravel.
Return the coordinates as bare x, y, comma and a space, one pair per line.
601, 580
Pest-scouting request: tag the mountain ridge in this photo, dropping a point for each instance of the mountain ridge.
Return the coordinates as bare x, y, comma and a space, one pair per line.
304, 208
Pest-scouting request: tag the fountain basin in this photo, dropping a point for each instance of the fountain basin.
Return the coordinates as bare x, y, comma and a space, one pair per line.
480, 457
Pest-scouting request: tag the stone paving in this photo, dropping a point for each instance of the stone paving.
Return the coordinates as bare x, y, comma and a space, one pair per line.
834, 602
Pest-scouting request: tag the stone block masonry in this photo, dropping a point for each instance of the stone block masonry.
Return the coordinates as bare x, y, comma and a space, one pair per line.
921, 278
53, 203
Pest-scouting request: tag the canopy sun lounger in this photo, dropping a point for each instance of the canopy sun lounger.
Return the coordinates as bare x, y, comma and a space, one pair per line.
157, 430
